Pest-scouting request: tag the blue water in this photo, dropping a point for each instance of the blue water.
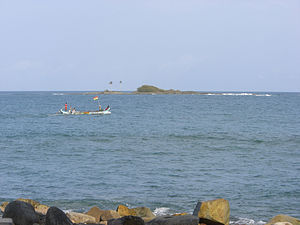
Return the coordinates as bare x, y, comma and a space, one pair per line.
164, 152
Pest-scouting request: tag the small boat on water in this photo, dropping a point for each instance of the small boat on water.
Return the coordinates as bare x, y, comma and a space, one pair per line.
74, 112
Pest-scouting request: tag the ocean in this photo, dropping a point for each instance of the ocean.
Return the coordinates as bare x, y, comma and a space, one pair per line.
165, 152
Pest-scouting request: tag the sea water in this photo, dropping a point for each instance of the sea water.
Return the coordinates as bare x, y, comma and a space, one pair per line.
165, 152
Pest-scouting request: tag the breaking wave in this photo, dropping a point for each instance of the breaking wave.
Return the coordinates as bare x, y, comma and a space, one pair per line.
239, 94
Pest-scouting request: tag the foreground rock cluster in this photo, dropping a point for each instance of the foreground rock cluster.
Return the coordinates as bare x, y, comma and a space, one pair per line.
30, 212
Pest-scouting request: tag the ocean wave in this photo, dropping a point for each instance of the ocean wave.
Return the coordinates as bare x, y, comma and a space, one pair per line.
58, 94
247, 221
239, 94
162, 211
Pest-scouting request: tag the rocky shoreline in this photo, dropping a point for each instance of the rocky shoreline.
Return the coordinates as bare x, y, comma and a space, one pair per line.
30, 212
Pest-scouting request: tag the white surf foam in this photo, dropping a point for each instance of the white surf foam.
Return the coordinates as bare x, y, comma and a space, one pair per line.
58, 94
161, 211
247, 221
239, 94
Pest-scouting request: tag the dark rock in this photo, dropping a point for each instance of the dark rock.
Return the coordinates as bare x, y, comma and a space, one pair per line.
22, 213
209, 222
55, 216
42, 218
197, 208
127, 220
174, 220
85, 223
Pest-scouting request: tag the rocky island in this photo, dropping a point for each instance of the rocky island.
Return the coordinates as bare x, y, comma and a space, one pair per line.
146, 90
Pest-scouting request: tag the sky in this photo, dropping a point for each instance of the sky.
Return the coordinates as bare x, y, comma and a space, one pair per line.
199, 45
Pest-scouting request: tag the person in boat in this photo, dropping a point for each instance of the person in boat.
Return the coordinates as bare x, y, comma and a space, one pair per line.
73, 110
99, 107
66, 107
106, 108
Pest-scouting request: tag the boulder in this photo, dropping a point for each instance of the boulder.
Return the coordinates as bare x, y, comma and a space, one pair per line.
108, 215
125, 211
174, 220
38, 207
21, 213
80, 218
103, 222
55, 216
127, 220
95, 212
285, 219
143, 212
102, 215
42, 209
283, 223
3, 205
215, 211
30, 201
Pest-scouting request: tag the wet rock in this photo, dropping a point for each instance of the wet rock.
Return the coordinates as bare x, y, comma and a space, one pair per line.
174, 220
214, 211
285, 219
127, 220
102, 215
21, 213
55, 216
143, 212
80, 218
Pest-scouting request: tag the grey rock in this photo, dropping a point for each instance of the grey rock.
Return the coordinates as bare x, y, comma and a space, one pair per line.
55, 216
21, 213
197, 208
174, 220
127, 220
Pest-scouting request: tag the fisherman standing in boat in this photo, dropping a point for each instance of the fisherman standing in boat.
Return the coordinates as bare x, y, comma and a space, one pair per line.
66, 107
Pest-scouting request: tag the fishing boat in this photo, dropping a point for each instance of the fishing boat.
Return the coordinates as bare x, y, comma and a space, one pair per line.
75, 112
72, 111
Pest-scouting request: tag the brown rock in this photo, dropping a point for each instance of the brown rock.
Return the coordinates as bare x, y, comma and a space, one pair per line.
215, 210
95, 212
143, 212
125, 211
3, 205
42, 209
102, 215
284, 218
103, 223
283, 223
80, 217
108, 215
